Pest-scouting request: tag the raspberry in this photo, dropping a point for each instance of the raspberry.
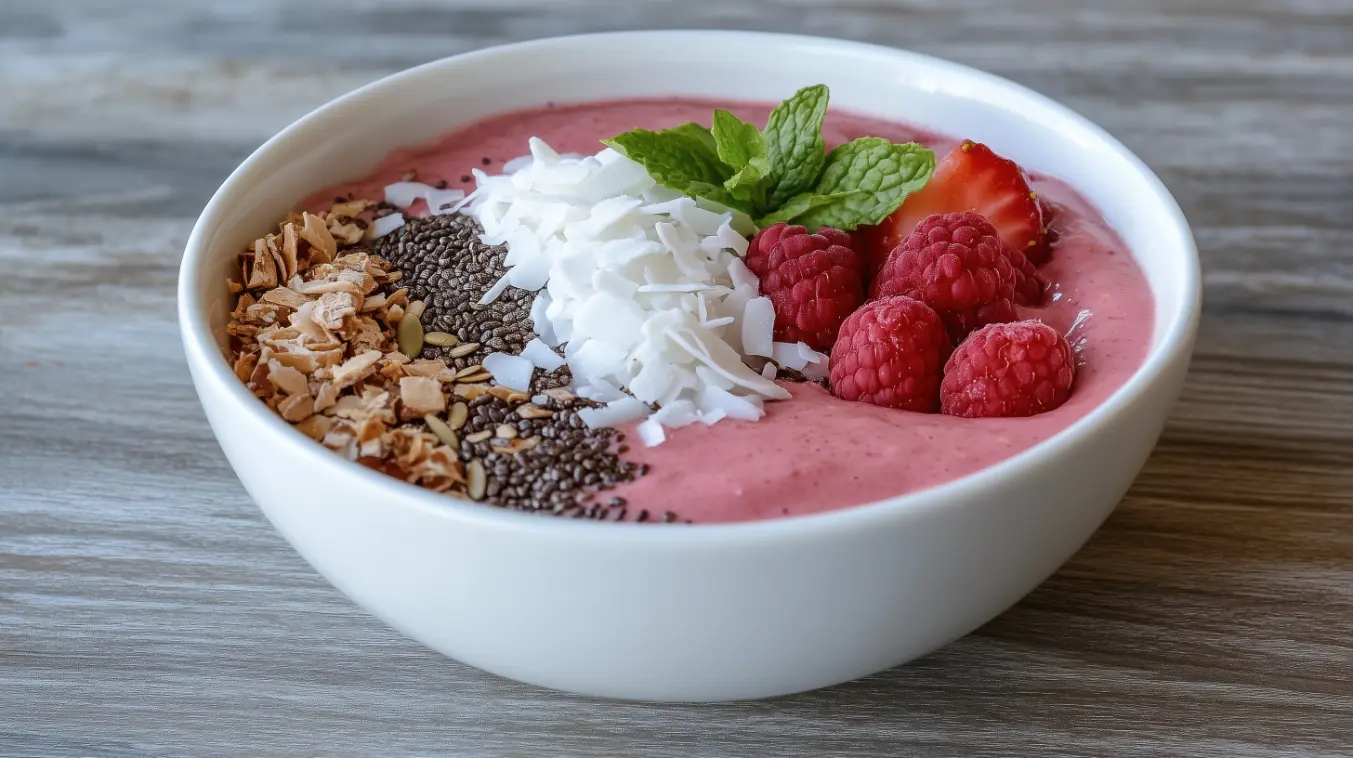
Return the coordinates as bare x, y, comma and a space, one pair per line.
889, 353
812, 279
1019, 369
956, 264
1029, 283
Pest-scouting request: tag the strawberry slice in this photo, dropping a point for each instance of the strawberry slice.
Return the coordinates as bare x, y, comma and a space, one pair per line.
970, 178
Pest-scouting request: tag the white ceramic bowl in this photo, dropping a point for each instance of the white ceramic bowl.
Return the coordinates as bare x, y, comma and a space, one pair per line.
707, 612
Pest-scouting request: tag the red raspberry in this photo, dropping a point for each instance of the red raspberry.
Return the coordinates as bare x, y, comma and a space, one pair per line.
1030, 285
1020, 369
812, 279
889, 353
956, 264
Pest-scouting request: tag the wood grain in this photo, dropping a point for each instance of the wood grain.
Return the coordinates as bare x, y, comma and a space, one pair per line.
147, 609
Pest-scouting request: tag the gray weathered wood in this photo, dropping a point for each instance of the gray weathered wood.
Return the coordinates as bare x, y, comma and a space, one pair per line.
146, 609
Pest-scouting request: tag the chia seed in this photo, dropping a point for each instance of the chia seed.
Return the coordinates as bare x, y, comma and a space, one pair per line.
447, 267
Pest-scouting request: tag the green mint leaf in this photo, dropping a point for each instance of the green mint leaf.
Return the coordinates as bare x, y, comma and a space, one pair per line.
737, 142
740, 145
800, 205
878, 175
685, 159
794, 145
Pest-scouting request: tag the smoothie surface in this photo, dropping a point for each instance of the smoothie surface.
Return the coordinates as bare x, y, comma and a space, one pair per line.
814, 452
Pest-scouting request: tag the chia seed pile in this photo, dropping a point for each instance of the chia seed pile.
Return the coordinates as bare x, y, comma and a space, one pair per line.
571, 466
448, 268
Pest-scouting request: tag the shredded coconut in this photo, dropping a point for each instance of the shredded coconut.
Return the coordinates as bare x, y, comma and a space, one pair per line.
645, 288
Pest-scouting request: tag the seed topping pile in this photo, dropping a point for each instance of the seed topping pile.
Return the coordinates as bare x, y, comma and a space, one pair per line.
325, 333
447, 267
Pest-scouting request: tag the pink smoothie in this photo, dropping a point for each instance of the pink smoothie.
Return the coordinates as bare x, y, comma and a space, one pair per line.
815, 453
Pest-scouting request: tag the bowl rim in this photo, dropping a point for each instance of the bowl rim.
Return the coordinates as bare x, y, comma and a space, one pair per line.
205, 358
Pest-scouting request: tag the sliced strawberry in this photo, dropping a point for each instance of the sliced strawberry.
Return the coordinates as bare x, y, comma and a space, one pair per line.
970, 178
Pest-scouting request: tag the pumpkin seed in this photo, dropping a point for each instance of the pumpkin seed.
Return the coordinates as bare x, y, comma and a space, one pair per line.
477, 480
441, 339
416, 309
460, 351
479, 436
410, 335
459, 413
443, 432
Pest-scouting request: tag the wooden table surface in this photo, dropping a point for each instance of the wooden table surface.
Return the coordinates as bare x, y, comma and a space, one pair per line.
147, 609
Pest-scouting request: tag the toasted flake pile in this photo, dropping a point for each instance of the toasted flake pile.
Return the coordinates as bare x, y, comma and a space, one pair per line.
644, 287
316, 342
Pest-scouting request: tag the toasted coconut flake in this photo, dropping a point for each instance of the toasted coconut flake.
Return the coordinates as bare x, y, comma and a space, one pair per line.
350, 209
332, 308
297, 408
291, 254
315, 427
263, 269
531, 410
244, 365
434, 368
287, 379
347, 234
356, 368
325, 396
470, 391
286, 297
421, 395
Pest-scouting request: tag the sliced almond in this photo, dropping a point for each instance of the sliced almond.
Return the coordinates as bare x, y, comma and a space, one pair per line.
505, 432
416, 309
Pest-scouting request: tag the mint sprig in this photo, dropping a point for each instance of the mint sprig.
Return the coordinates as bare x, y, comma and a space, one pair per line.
782, 173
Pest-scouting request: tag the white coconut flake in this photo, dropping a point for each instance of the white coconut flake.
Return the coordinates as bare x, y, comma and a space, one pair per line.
758, 326
644, 287
620, 411
444, 201
511, 371
497, 289
541, 356
787, 354
651, 433
769, 371
384, 225
404, 194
